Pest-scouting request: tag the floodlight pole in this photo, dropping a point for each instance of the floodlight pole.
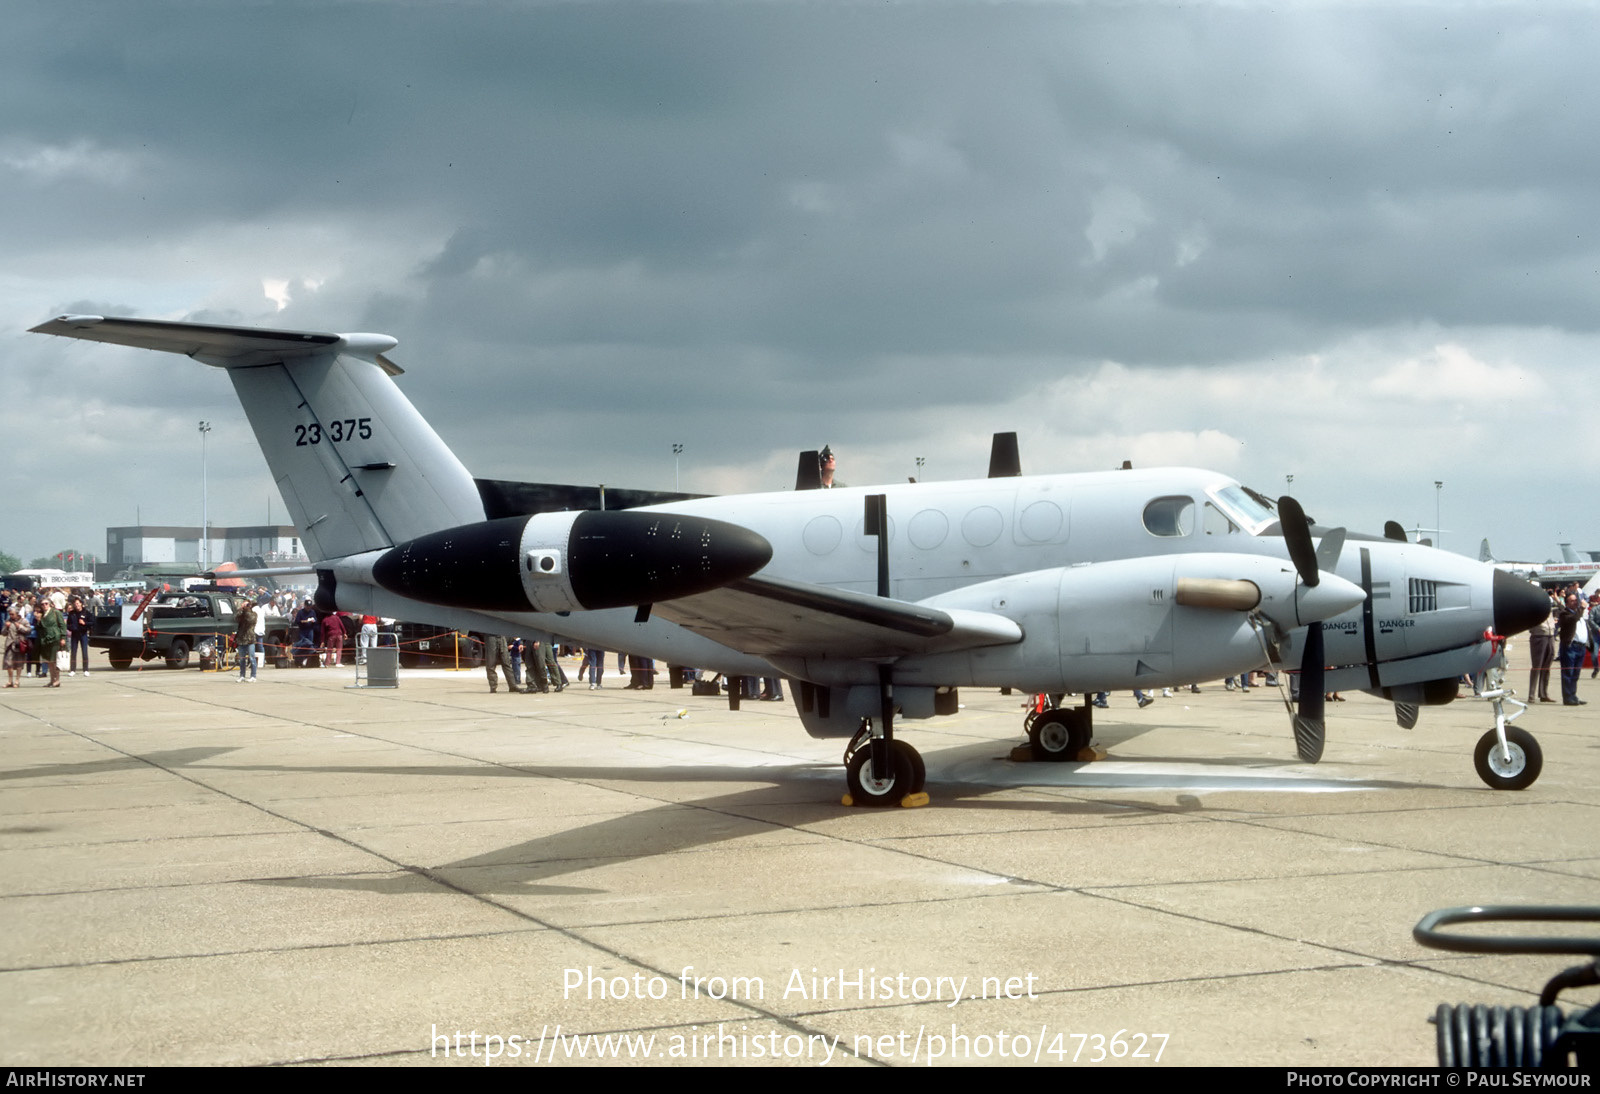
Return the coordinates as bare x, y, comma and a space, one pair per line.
677, 450
205, 515
1438, 525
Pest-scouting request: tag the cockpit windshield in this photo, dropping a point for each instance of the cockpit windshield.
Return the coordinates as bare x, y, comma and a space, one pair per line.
1240, 506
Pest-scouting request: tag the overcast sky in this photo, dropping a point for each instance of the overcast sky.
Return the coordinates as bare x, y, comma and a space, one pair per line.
1358, 244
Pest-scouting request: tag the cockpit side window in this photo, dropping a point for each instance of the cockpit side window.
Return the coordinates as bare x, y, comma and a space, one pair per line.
1168, 517
1242, 507
1217, 522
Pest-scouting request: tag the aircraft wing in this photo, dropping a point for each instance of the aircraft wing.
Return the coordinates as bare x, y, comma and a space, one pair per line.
772, 617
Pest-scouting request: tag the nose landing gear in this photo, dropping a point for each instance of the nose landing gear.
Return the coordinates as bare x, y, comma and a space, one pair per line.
1507, 758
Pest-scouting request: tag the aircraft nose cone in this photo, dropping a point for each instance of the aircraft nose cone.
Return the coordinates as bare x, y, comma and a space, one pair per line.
1518, 605
1331, 596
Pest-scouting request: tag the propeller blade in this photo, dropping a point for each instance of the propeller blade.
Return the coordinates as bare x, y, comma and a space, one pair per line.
1297, 535
1405, 715
1309, 728
1329, 549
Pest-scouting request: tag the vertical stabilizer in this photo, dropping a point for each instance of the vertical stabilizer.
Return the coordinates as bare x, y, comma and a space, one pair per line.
358, 467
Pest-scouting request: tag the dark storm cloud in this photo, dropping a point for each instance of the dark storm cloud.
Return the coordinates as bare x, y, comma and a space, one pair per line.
755, 226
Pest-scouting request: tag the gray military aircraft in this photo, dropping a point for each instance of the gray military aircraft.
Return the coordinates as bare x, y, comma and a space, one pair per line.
878, 603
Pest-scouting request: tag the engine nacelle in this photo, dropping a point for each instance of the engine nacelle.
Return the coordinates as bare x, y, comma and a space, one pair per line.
1142, 622
574, 561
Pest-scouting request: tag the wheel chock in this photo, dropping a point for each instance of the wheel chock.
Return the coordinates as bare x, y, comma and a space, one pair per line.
910, 801
1023, 754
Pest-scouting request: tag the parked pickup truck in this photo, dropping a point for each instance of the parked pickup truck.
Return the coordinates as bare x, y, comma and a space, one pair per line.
176, 625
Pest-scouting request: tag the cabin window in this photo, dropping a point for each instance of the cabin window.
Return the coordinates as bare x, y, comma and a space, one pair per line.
1169, 517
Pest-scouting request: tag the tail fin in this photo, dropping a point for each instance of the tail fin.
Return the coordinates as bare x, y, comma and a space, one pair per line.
358, 467
1484, 554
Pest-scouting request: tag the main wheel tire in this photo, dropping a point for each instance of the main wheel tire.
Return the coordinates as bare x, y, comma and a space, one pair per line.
178, 655
121, 664
1058, 735
1519, 773
919, 770
865, 790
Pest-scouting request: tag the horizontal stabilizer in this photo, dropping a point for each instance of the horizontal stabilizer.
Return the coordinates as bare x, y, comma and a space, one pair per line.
219, 345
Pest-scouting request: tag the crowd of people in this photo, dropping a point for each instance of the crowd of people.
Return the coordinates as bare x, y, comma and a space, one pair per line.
39, 626
1571, 631
47, 632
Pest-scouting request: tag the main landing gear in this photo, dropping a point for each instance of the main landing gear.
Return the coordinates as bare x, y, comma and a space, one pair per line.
879, 769
1058, 734
904, 781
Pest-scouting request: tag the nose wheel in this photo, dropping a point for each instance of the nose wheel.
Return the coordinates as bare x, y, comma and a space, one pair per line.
1507, 758
1512, 766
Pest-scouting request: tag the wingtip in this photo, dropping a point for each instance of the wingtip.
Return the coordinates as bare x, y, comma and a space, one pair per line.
62, 323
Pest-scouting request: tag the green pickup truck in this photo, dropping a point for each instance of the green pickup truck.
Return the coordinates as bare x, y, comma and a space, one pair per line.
177, 625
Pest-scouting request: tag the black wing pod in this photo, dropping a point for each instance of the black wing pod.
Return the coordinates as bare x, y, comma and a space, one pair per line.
618, 559
571, 561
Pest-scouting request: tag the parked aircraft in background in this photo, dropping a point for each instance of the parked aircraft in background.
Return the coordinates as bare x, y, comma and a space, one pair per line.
1573, 566
878, 602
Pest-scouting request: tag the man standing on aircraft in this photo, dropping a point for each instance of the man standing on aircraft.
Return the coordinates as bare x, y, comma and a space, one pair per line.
826, 465
1574, 643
